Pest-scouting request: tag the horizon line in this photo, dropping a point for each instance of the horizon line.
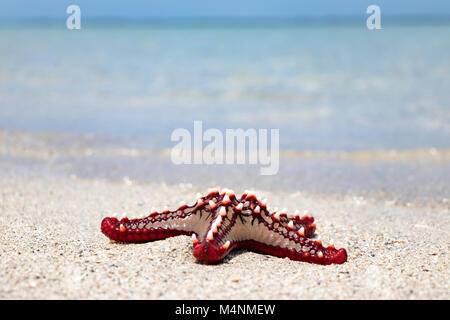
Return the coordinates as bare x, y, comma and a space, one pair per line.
225, 20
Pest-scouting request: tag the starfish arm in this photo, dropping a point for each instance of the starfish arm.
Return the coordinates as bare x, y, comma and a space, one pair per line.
324, 256
252, 227
270, 233
214, 245
158, 225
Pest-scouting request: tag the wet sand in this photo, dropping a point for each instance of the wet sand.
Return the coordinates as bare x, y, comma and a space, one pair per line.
417, 176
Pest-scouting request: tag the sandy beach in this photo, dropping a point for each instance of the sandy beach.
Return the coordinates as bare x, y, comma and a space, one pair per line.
51, 245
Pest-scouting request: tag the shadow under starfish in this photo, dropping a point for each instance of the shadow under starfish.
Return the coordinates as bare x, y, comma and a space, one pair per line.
220, 222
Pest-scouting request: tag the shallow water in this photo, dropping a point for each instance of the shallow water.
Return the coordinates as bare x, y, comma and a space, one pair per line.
326, 87
415, 176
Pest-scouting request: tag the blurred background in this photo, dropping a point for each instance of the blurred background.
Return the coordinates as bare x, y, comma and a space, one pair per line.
360, 112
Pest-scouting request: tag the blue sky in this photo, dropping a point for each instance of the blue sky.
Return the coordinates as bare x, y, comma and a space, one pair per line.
19, 9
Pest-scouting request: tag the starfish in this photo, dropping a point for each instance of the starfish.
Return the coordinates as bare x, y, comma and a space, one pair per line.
220, 222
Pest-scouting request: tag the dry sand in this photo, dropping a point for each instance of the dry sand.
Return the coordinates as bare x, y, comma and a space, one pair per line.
51, 247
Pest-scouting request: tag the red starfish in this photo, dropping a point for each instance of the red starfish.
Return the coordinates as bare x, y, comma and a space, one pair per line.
219, 222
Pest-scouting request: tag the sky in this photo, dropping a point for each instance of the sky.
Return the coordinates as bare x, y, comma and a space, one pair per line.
23, 9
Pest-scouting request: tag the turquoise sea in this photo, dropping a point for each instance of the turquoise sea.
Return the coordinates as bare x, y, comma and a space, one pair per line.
326, 86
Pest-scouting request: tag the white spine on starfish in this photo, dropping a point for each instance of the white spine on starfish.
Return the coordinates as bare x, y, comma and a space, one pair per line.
227, 191
276, 215
212, 204
226, 200
251, 193
226, 245
257, 210
222, 212
213, 190
218, 220
239, 206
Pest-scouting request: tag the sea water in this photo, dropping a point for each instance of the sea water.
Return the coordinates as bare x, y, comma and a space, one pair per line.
328, 87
